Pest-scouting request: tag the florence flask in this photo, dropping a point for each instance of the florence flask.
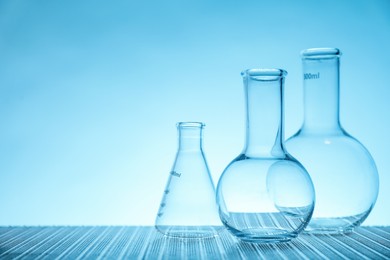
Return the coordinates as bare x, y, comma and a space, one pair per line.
343, 172
265, 195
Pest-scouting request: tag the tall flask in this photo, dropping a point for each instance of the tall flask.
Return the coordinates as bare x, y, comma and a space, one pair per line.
188, 208
343, 172
265, 195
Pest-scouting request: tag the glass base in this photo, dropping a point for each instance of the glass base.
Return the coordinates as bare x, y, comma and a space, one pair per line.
191, 232
338, 225
263, 235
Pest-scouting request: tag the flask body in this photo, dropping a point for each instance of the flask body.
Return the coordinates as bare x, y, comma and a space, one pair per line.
343, 172
265, 200
345, 179
265, 195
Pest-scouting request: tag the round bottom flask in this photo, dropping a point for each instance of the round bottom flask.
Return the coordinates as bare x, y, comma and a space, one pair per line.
265, 195
343, 172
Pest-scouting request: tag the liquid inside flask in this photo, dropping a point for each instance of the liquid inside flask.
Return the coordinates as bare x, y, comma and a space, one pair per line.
188, 208
343, 172
265, 195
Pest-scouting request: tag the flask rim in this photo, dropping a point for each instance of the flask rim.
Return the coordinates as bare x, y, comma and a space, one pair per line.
318, 53
190, 124
264, 74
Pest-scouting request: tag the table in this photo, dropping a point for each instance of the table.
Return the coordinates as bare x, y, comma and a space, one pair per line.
144, 242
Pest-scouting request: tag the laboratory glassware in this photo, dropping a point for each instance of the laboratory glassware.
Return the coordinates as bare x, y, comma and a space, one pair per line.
188, 208
343, 172
264, 194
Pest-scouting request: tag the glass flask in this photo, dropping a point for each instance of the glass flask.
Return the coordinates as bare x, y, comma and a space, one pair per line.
188, 208
343, 172
265, 195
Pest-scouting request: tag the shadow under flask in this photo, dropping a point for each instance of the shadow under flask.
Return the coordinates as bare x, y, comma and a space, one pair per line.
265, 195
188, 208
343, 172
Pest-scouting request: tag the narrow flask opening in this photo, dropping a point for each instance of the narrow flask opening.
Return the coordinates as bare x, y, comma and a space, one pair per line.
190, 124
321, 89
264, 74
190, 135
320, 53
264, 110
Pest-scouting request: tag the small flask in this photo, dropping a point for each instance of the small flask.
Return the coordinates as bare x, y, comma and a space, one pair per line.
343, 172
188, 208
265, 195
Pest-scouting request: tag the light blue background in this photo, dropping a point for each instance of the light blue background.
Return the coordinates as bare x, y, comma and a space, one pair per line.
90, 92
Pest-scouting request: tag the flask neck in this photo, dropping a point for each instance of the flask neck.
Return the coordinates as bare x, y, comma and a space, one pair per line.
321, 94
264, 114
190, 136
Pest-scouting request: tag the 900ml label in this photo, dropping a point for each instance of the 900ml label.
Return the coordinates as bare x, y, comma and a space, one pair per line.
311, 76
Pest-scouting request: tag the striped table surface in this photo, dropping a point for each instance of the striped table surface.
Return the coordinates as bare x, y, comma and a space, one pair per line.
130, 242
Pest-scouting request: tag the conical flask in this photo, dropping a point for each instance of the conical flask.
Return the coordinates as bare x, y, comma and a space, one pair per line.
188, 208
343, 172
264, 194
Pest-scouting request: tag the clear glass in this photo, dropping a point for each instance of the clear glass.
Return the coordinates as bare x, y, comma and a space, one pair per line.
188, 208
343, 172
265, 195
